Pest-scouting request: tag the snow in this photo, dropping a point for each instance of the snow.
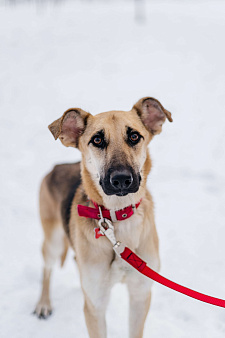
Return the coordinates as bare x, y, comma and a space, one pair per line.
94, 55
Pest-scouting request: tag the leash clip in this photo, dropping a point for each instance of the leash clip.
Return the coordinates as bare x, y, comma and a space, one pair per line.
108, 231
106, 228
119, 248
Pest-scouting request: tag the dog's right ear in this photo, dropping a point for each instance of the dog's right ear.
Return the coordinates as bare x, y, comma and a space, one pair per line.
152, 114
70, 126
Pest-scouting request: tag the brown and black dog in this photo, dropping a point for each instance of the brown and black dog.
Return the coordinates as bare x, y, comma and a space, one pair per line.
113, 173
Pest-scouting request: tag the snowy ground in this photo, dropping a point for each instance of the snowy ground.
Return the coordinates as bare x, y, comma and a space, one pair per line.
94, 55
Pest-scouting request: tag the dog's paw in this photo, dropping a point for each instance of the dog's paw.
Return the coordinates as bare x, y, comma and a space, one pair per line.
43, 309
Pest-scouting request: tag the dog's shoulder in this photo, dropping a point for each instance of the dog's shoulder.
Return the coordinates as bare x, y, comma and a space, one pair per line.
62, 177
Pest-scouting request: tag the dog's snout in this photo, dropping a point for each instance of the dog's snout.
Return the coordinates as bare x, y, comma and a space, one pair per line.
121, 179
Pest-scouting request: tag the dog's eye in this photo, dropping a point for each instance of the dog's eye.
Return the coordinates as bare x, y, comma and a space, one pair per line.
134, 138
97, 140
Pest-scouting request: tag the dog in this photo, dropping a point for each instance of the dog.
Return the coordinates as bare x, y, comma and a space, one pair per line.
111, 177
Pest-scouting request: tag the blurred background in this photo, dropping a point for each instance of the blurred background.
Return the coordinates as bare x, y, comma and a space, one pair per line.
104, 55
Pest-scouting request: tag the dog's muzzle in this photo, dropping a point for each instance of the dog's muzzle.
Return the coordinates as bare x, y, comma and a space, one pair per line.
120, 182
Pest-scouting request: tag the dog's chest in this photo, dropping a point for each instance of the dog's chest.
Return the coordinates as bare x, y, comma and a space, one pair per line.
128, 232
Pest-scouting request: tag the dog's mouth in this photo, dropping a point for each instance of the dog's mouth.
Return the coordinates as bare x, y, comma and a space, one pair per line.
122, 193
120, 181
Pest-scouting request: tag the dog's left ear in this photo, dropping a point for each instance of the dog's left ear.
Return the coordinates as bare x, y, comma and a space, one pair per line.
70, 126
152, 114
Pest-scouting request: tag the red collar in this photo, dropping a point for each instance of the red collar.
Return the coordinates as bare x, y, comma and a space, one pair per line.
112, 215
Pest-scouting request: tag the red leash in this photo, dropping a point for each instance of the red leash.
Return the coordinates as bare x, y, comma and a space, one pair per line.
106, 228
131, 258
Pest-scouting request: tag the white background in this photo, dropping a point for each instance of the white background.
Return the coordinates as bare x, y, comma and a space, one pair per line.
96, 56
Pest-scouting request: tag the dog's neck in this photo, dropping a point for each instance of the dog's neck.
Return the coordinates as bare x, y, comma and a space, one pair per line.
120, 202
114, 202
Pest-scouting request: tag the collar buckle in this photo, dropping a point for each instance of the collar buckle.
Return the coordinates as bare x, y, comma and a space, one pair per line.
113, 215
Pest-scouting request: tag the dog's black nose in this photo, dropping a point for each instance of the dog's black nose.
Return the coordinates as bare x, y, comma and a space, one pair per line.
121, 180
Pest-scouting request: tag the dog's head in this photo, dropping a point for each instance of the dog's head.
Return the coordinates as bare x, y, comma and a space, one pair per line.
113, 145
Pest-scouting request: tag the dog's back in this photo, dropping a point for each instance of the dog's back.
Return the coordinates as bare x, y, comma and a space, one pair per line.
62, 183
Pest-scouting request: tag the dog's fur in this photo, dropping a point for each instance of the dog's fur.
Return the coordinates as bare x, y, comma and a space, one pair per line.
123, 151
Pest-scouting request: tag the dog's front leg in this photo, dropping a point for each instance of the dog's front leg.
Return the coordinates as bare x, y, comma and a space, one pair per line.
96, 288
140, 297
95, 319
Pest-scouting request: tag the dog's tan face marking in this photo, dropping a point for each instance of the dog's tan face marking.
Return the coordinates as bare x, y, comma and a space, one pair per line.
114, 144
